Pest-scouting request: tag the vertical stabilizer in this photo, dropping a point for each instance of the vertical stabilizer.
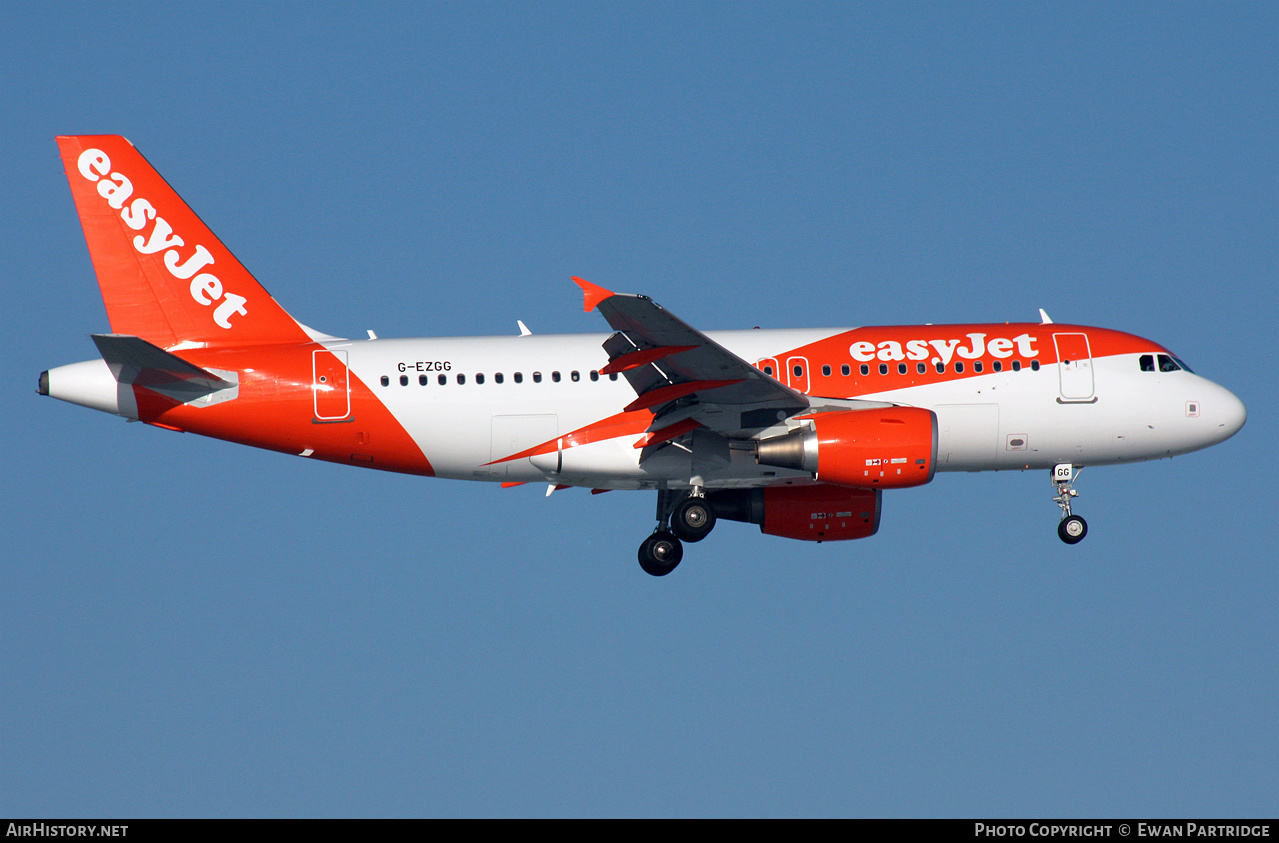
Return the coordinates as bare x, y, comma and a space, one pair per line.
164, 276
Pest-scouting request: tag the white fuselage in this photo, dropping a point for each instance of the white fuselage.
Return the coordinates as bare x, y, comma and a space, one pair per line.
993, 421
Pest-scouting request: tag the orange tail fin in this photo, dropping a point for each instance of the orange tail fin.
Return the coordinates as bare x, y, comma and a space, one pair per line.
164, 276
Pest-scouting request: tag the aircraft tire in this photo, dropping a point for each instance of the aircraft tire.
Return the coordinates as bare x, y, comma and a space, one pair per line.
660, 553
693, 519
1072, 529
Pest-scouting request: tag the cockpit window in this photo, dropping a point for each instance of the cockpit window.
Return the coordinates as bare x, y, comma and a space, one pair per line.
1162, 363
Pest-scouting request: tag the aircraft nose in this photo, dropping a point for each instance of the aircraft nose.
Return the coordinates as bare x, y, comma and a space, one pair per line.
1228, 412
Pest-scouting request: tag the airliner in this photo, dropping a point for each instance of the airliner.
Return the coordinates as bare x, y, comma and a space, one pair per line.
799, 431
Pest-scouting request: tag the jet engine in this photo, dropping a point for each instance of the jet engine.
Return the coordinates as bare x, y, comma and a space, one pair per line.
889, 448
810, 513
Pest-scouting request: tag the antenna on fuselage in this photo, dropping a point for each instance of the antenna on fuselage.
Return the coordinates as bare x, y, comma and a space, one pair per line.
1044, 318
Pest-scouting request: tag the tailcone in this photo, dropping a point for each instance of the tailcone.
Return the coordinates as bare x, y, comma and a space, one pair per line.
89, 384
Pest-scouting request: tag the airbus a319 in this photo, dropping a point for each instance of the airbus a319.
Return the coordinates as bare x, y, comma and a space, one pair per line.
798, 431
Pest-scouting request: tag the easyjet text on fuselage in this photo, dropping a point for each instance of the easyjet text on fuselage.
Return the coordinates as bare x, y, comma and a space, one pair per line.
973, 347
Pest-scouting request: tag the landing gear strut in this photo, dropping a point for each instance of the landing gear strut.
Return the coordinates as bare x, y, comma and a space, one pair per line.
1072, 528
686, 516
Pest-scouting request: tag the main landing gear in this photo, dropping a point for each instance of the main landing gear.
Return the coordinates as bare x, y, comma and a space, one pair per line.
681, 516
660, 553
1072, 528
693, 518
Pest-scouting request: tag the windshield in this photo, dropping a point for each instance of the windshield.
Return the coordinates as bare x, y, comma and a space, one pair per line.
1162, 363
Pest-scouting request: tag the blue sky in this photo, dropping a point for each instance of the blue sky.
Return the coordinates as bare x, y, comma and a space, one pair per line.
192, 628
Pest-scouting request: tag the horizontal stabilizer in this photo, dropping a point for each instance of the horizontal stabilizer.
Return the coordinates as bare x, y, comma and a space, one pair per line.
134, 361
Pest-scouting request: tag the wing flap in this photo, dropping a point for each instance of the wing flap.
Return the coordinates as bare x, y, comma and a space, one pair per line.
666, 394
634, 359
666, 434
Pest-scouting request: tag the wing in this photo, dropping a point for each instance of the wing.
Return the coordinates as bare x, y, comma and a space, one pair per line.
681, 375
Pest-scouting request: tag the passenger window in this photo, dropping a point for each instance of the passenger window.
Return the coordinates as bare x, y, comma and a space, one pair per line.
941, 368
443, 379
1034, 365
901, 368
799, 371
826, 371
555, 376
421, 380
997, 366
959, 367
386, 381
613, 376
537, 377
768, 370
519, 377
461, 379
479, 378
404, 380
1016, 365
575, 375
921, 368
1147, 362
594, 375
977, 367
845, 371
883, 368
497, 377
865, 370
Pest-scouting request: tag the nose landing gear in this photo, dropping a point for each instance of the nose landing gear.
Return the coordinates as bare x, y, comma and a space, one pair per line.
1072, 528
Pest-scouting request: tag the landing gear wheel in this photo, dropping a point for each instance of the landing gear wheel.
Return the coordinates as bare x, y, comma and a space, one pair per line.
693, 519
660, 553
1072, 529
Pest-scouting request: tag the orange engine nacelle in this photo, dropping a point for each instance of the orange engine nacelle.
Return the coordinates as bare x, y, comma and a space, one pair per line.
877, 449
817, 513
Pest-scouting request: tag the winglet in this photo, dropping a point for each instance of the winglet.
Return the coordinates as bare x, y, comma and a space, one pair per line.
593, 294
